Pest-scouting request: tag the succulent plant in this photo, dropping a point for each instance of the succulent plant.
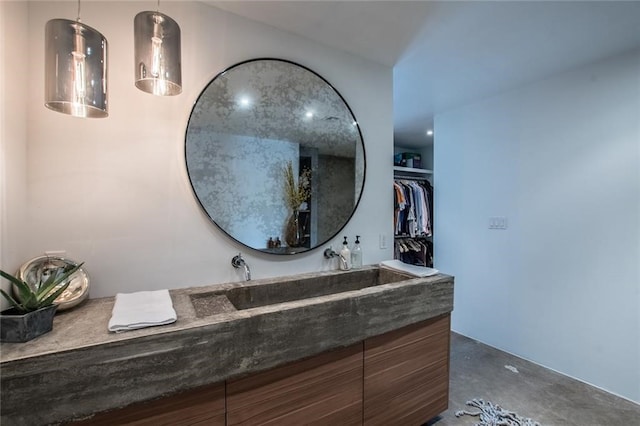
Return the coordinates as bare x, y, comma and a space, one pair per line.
29, 299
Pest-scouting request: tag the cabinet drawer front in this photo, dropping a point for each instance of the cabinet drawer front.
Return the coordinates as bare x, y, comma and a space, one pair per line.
200, 406
325, 389
406, 374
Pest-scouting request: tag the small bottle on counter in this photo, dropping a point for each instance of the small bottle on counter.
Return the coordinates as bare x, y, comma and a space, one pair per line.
271, 243
356, 254
345, 256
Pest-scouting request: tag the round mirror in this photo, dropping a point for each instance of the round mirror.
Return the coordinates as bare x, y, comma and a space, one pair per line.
275, 156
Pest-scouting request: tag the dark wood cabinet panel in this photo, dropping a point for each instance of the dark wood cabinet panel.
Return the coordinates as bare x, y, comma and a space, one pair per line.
196, 407
324, 389
406, 374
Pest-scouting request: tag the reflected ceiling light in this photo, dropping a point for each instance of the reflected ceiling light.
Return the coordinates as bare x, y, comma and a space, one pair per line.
429, 132
245, 101
75, 65
309, 114
157, 53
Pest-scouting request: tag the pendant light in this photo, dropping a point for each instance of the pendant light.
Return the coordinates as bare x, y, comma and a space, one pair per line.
157, 53
75, 68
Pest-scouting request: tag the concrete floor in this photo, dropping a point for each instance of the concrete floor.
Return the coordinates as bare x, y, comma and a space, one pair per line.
478, 371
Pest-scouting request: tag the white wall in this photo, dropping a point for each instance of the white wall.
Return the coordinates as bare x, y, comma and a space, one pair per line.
560, 159
13, 135
114, 192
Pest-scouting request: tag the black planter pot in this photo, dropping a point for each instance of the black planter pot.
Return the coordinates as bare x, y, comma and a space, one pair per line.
17, 328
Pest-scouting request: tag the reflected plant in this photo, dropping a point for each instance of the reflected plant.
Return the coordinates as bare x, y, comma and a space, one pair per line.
298, 192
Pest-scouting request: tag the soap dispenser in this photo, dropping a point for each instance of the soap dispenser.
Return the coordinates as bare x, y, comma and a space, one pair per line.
356, 254
345, 256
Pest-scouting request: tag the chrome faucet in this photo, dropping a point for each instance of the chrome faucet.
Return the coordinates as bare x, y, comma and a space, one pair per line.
238, 262
330, 254
344, 262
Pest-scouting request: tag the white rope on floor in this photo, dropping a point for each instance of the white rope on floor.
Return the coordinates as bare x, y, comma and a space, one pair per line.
493, 415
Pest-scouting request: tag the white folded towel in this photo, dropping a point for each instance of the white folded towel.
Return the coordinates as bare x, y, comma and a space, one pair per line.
141, 309
418, 271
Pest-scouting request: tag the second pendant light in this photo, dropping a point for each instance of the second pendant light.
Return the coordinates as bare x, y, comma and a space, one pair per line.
157, 54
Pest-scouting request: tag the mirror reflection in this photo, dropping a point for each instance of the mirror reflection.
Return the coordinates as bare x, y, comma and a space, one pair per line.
275, 156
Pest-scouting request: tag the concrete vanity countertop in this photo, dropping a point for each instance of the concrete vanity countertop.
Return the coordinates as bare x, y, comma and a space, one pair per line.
80, 368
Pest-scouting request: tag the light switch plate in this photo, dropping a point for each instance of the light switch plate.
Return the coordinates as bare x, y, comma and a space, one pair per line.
498, 222
383, 241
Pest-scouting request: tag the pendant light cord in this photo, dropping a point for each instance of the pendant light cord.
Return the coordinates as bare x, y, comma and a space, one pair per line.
79, 10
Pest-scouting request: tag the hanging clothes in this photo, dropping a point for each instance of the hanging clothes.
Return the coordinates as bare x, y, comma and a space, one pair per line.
413, 221
414, 251
399, 206
413, 215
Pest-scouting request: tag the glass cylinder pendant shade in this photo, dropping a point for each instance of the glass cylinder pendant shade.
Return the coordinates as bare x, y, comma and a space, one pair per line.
157, 54
75, 69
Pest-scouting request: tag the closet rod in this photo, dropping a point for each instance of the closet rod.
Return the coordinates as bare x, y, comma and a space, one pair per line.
401, 177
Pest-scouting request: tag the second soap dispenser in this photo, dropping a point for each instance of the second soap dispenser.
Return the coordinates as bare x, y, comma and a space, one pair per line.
345, 256
356, 254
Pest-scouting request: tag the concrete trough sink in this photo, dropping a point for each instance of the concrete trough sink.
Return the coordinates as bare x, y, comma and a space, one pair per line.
256, 325
255, 294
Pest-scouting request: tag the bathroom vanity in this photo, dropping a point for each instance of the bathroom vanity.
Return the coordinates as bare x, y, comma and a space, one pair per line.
343, 347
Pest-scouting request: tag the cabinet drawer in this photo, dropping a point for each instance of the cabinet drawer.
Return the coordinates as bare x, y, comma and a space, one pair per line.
200, 406
406, 374
324, 389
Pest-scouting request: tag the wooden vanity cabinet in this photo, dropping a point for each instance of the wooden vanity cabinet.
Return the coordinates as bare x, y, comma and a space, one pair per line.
406, 374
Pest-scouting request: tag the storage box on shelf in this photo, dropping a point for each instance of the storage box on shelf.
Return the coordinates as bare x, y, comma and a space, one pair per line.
408, 159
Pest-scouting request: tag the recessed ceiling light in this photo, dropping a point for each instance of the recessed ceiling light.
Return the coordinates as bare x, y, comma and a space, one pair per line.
429, 132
